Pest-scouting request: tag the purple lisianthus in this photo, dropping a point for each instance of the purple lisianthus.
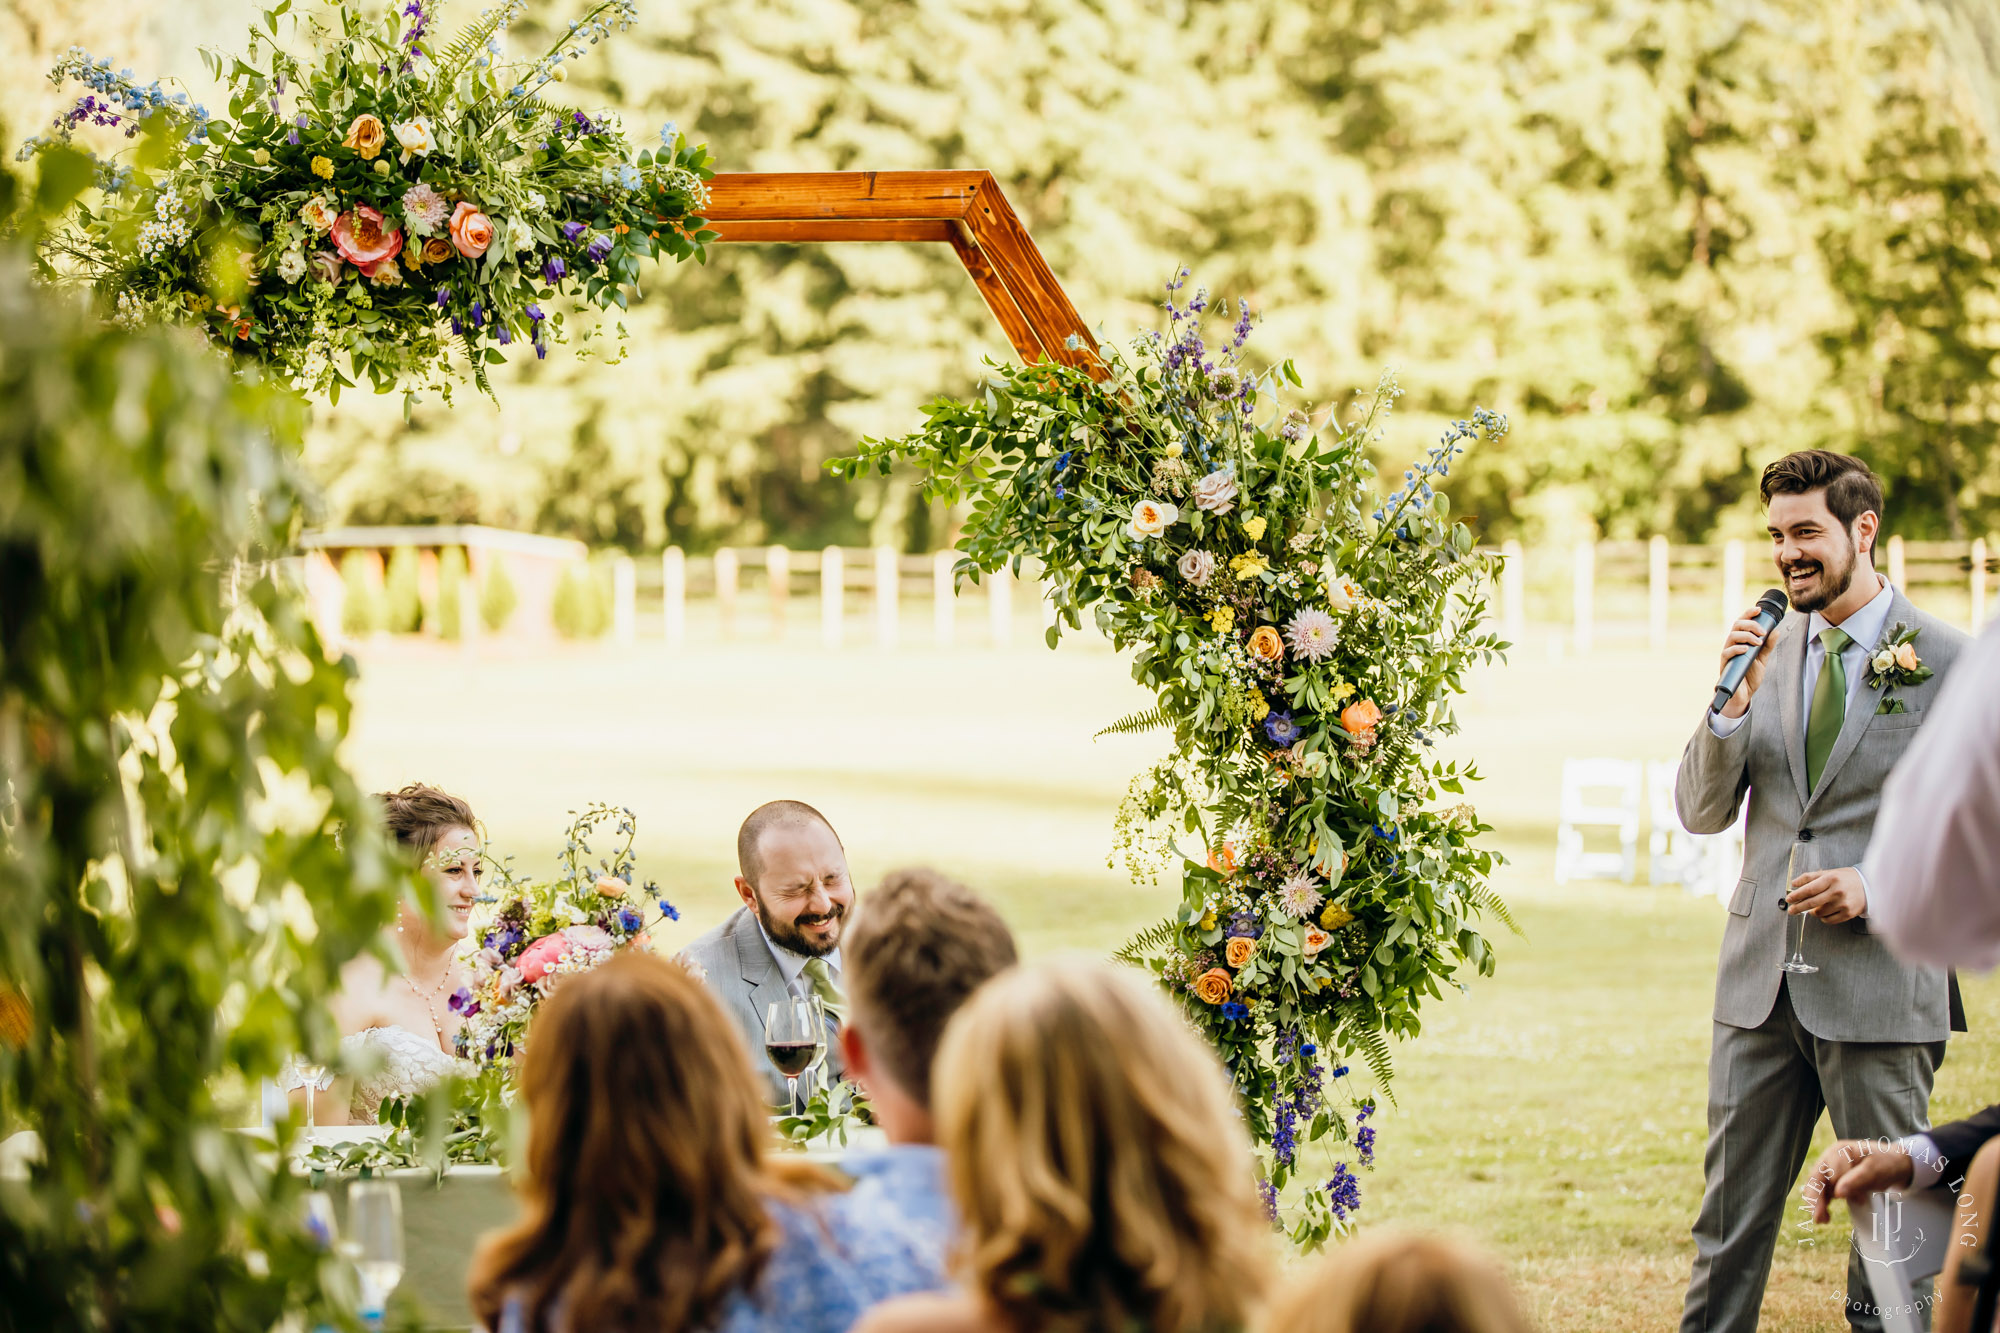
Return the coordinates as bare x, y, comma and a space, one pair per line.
1282, 730
573, 229
461, 1001
1243, 925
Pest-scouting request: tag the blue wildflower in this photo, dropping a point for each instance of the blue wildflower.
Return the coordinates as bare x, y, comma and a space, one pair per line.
1282, 730
500, 332
1235, 1012
629, 919
457, 328
444, 297
478, 315
1062, 462
1269, 1194
668, 133
541, 351
535, 312
668, 910
1343, 1191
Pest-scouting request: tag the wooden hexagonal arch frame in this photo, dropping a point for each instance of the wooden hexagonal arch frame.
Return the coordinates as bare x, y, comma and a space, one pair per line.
964, 209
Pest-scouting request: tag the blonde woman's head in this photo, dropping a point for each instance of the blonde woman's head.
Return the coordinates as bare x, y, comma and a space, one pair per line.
1098, 1157
1393, 1281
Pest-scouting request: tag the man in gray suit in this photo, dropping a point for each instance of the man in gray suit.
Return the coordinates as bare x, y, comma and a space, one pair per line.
784, 941
1810, 736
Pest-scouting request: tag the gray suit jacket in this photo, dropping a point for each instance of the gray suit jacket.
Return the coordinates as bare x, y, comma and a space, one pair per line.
1861, 992
744, 976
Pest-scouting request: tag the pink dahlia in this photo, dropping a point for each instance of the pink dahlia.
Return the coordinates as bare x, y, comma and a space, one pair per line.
363, 240
1298, 895
1312, 634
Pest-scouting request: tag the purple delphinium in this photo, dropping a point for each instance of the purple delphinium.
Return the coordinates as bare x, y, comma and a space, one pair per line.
1343, 1191
1269, 1194
1364, 1143
419, 21
1285, 1136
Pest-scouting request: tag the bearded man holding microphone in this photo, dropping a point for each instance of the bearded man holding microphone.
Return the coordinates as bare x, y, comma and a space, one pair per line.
1811, 1010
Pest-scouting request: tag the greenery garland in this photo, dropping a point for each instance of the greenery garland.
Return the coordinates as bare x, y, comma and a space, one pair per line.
382, 203
1304, 637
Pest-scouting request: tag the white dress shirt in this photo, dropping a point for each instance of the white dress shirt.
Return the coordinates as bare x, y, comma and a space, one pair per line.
1864, 629
1934, 862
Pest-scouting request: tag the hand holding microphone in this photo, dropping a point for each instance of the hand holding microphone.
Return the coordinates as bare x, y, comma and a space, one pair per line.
1743, 654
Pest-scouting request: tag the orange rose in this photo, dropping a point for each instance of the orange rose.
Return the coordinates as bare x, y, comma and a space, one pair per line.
1360, 716
471, 230
1238, 951
1265, 643
1212, 986
365, 135
437, 249
1223, 860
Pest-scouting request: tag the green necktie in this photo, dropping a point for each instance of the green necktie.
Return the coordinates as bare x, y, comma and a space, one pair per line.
830, 998
1829, 704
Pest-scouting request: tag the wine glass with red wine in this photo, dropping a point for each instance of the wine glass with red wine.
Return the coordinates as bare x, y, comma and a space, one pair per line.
792, 1039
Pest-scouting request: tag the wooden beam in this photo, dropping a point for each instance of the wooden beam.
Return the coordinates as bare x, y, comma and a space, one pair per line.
965, 209
799, 230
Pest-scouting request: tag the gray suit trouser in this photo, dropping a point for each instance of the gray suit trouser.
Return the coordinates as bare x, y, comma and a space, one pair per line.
1766, 1087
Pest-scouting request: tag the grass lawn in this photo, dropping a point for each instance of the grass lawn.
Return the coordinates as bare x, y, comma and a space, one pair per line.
1555, 1112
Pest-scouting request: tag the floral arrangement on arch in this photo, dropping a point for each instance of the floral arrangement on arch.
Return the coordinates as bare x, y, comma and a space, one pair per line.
364, 212
1303, 635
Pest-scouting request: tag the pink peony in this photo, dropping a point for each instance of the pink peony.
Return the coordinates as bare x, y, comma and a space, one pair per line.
363, 241
536, 960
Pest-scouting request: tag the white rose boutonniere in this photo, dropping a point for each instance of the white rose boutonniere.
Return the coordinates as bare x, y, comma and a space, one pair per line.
1894, 662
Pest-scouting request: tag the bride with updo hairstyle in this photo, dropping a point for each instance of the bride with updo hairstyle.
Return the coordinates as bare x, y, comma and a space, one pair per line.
1098, 1162
398, 1029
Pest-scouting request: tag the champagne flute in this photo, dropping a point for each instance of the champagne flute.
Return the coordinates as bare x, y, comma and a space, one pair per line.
813, 1071
793, 1039
375, 1243
1797, 963
319, 1220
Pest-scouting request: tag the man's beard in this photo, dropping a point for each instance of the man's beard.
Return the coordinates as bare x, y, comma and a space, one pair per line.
788, 934
1824, 591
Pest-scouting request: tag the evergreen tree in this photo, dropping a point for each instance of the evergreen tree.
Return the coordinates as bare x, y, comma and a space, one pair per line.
403, 602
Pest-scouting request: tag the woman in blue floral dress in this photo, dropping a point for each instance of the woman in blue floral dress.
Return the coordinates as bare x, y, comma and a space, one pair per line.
652, 1197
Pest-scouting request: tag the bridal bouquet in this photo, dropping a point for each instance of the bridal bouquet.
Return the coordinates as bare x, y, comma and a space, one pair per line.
1303, 635
369, 207
540, 932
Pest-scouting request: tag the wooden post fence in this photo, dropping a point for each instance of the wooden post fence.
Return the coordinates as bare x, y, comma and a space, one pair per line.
888, 596
673, 595
1657, 592
778, 573
832, 597
943, 599
1733, 593
1583, 578
725, 591
1898, 567
624, 601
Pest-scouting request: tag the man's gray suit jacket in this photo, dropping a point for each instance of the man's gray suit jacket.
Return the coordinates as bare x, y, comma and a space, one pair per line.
741, 973
1861, 992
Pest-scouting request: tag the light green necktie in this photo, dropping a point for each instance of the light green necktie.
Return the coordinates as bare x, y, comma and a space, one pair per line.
830, 998
1829, 704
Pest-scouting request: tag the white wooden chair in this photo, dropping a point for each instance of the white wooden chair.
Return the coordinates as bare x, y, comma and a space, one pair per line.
1586, 783
1706, 864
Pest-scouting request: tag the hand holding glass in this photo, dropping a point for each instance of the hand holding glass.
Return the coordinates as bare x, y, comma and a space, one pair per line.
1797, 962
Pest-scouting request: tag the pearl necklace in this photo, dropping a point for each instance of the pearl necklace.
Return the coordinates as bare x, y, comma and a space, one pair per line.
430, 1001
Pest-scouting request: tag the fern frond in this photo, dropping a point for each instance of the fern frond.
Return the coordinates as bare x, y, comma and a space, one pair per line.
1153, 940
465, 47
1146, 719
1482, 897
1374, 1048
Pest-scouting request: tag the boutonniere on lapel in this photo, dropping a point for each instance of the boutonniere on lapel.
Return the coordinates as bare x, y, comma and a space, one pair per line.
1895, 662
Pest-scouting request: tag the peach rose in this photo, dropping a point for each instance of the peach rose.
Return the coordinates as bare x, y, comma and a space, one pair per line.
1212, 986
1360, 716
1223, 860
471, 230
1315, 940
611, 886
365, 135
1151, 518
437, 249
1237, 952
362, 239
1906, 656
1265, 643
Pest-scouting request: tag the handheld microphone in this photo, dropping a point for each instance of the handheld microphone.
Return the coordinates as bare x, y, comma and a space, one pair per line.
1770, 610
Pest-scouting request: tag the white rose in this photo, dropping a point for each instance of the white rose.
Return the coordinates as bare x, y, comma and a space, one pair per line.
1341, 591
1150, 518
318, 213
1884, 660
520, 236
291, 265
1216, 492
414, 136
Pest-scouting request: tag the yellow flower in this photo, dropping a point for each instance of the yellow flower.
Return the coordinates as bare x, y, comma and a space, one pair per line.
413, 257
1260, 707
1342, 691
1335, 916
1249, 565
1253, 527
1222, 619
1266, 643
1174, 449
1208, 921
323, 168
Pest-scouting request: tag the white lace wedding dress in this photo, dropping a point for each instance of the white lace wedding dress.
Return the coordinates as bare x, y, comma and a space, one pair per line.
392, 1062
